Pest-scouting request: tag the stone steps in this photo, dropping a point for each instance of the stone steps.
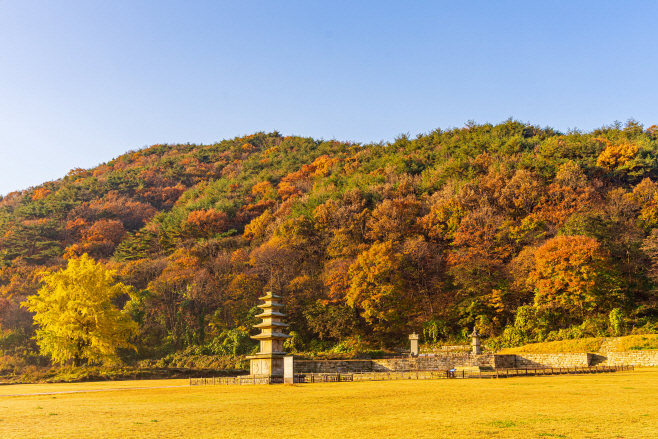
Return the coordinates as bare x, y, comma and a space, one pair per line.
609, 344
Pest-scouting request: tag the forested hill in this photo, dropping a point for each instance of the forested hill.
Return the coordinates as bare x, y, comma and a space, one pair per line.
529, 233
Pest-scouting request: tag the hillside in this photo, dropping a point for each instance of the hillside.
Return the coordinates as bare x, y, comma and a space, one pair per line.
530, 234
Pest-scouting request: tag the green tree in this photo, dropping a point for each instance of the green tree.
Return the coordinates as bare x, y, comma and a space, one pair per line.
76, 315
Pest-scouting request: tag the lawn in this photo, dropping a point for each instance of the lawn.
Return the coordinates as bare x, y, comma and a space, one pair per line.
621, 404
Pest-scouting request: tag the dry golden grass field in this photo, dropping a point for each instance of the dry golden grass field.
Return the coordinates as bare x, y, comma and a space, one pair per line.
627, 343
615, 405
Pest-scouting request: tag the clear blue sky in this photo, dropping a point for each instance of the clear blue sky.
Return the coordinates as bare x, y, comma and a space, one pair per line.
81, 82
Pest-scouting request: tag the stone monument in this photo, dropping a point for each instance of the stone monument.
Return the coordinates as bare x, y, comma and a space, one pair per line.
476, 341
414, 344
269, 360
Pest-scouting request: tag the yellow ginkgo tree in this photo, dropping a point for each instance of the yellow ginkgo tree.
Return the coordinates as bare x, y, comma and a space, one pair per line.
76, 317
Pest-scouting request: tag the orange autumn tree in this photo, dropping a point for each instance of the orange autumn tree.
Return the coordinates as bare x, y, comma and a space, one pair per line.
443, 220
174, 288
572, 273
205, 223
376, 288
394, 218
264, 189
40, 193
98, 240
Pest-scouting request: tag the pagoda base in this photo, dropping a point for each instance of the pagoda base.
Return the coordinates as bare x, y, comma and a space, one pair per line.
266, 365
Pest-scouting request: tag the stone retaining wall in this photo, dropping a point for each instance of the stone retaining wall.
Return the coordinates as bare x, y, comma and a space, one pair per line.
453, 360
450, 360
504, 361
445, 349
552, 360
631, 358
332, 366
439, 362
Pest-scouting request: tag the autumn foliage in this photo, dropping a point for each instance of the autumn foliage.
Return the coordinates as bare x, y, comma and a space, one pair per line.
76, 317
573, 273
205, 223
526, 232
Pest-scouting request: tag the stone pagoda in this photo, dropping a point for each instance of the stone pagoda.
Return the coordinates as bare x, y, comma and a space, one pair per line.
269, 360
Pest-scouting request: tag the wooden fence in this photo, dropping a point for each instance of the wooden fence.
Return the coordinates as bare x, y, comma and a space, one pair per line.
240, 380
497, 373
410, 375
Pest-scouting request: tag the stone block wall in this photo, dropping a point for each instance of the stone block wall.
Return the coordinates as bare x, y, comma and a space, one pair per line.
445, 349
452, 360
438, 362
553, 360
504, 361
332, 366
631, 358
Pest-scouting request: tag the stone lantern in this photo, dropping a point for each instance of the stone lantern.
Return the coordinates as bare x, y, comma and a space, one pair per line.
414, 344
476, 341
269, 360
